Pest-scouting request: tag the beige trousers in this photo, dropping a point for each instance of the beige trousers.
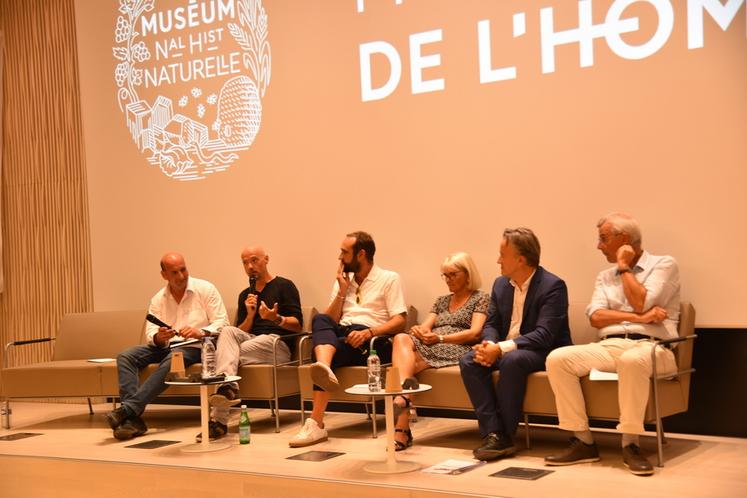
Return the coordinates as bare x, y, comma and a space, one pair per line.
629, 358
236, 347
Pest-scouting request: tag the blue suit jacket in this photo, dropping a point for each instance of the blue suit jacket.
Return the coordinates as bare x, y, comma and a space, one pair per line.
544, 325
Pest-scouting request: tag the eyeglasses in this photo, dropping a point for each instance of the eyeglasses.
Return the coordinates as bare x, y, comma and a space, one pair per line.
358, 295
605, 237
451, 275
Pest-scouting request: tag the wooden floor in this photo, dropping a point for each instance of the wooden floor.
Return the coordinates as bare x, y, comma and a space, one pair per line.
77, 456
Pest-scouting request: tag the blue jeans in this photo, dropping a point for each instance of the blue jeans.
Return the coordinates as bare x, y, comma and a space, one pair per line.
131, 361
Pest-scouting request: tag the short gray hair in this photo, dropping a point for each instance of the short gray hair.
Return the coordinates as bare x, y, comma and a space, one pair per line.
463, 261
526, 243
623, 223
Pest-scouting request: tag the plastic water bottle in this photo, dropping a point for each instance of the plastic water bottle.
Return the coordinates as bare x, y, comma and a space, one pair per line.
245, 427
374, 371
208, 358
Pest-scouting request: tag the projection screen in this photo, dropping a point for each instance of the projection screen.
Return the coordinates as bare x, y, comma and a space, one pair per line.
433, 124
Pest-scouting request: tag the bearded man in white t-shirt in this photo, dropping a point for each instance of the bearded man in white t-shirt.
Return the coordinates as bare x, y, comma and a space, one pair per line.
369, 304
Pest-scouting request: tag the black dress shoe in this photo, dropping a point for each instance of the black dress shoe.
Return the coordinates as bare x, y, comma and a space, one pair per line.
132, 427
635, 462
577, 452
495, 446
216, 430
117, 417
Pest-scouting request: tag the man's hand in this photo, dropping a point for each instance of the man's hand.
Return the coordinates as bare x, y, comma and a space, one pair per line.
191, 333
357, 338
625, 256
343, 280
486, 354
251, 304
163, 336
654, 315
268, 313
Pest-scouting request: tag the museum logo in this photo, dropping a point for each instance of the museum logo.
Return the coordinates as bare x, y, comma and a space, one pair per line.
190, 79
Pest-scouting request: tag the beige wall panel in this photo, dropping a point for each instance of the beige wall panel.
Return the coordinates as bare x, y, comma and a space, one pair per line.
46, 254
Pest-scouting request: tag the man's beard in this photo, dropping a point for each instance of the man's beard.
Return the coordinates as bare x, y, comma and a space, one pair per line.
351, 267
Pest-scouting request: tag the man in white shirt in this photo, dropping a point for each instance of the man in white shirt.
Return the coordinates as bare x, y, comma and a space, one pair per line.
368, 305
193, 308
634, 302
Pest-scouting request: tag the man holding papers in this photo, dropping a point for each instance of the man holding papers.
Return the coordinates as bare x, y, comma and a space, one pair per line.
194, 308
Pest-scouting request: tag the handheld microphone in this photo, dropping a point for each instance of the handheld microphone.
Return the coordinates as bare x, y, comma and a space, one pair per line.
252, 284
156, 321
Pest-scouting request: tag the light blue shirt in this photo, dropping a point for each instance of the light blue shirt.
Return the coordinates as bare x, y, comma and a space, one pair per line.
661, 278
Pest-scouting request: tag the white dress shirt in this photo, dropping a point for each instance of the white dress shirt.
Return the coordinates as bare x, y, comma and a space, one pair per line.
517, 314
661, 278
201, 307
377, 299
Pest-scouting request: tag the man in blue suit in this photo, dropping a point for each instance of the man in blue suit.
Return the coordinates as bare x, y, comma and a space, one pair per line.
527, 318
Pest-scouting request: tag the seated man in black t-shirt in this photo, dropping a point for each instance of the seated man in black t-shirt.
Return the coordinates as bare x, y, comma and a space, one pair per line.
270, 306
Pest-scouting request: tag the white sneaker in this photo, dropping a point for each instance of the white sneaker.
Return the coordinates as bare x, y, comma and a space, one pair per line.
309, 434
324, 377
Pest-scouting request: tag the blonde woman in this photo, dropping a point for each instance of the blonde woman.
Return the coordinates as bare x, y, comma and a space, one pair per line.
454, 323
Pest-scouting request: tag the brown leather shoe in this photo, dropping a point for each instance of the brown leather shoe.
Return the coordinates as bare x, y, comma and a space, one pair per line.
226, 395
635, 462
117, 417
132, 427
577, 452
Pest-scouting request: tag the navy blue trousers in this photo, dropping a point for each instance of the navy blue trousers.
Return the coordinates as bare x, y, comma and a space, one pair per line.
499, 408
324, 330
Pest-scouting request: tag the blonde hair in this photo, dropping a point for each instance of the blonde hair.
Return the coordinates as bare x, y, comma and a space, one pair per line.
463, 261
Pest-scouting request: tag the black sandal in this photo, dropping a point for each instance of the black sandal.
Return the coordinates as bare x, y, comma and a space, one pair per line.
399, 445
399, 409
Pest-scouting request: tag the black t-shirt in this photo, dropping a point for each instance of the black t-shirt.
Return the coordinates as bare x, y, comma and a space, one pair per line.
278, 290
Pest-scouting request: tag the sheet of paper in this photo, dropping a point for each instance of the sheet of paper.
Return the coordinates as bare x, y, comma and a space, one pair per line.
101, 360
600, 375
183, 342
453, 467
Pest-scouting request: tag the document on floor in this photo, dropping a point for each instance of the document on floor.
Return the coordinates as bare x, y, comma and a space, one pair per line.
152, 444
315, 456
453, 467
525, 473
19, 435
600, 375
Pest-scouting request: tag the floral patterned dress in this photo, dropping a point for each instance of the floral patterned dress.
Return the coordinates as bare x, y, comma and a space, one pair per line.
442, 354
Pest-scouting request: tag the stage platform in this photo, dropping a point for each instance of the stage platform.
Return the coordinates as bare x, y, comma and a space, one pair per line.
75, 455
